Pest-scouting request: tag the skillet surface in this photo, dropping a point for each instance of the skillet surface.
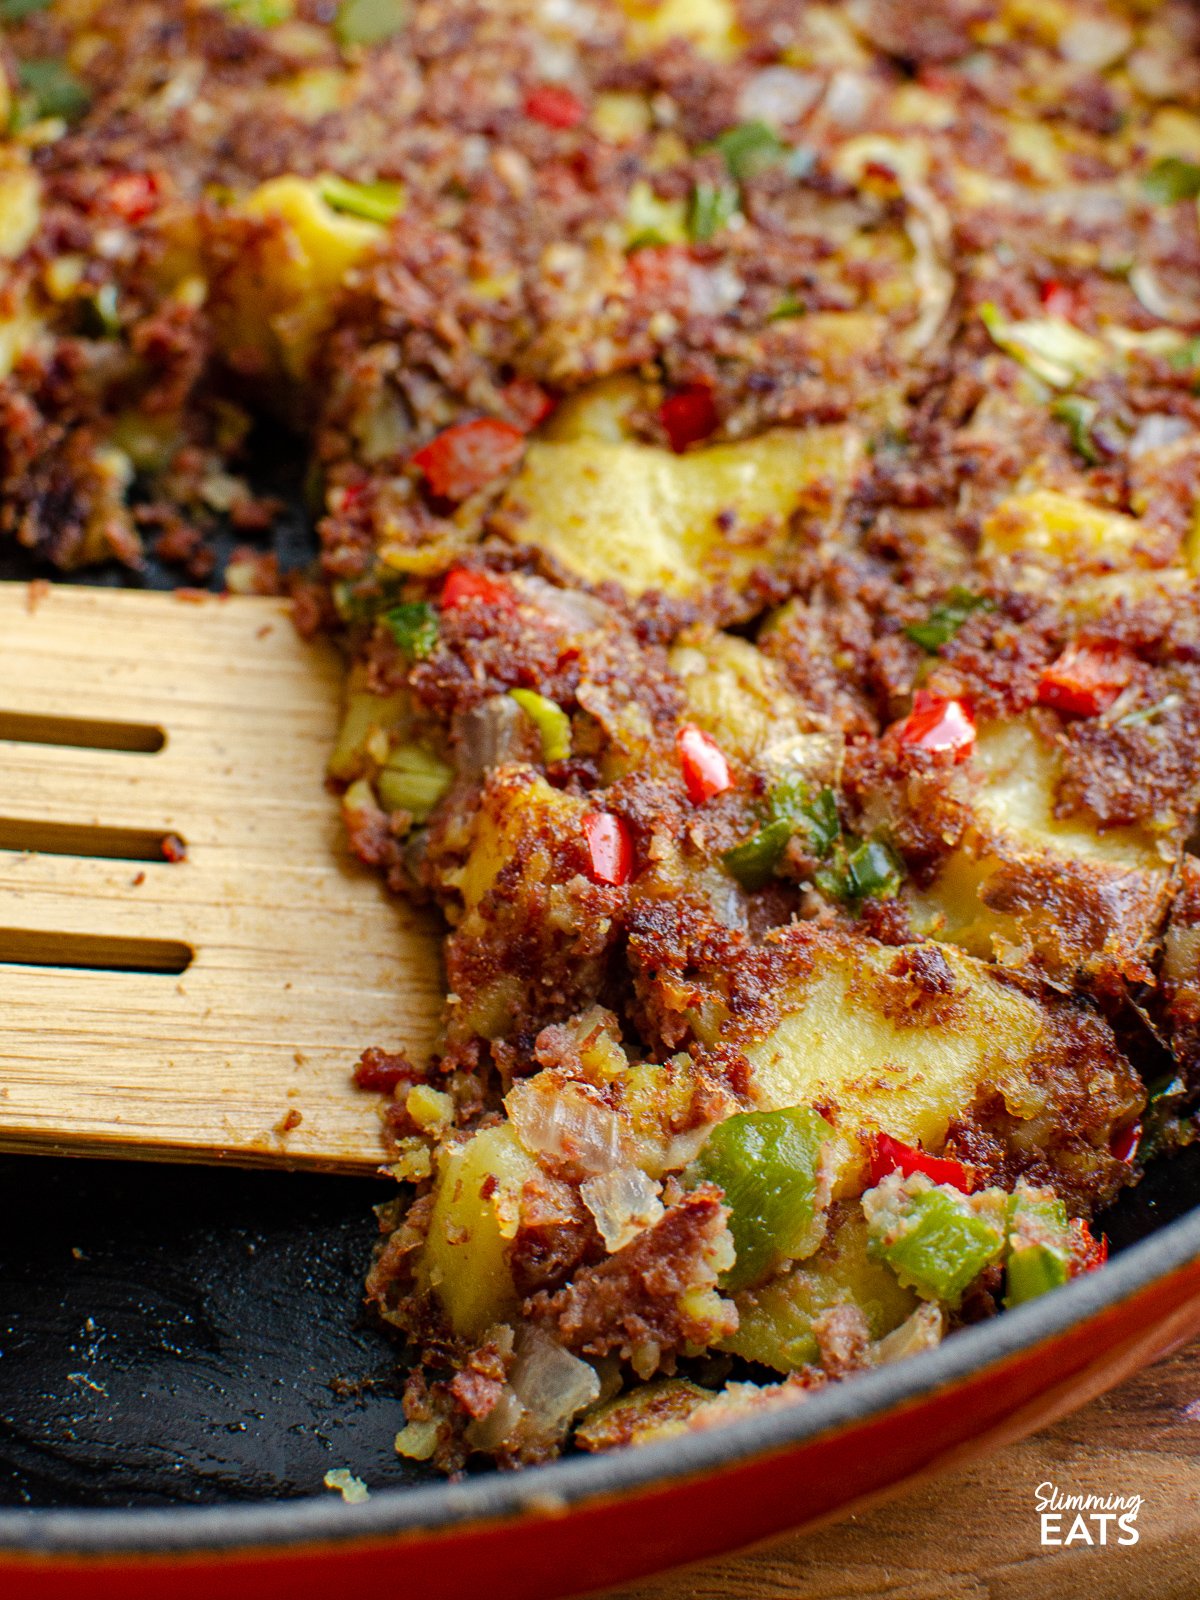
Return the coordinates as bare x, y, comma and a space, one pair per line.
191, 1336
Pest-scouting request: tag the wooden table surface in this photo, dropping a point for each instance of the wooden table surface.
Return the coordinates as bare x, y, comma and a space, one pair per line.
974, 1534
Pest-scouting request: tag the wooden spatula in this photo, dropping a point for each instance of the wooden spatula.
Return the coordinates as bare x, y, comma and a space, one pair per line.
209, 1008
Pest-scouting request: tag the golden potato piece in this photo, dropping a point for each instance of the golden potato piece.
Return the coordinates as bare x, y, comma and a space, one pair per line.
278, 300
1029, 888
1046, 526
654, 520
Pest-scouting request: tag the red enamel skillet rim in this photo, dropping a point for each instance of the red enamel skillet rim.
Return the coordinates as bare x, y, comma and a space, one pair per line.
573, 1482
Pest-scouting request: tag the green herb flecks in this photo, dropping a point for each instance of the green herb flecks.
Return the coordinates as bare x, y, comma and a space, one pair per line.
713, 207
48, 89
1079, 414
946, 619
791, 808
414, 626
749, 148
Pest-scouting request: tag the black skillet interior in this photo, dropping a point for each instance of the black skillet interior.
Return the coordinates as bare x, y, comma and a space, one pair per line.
191, 1336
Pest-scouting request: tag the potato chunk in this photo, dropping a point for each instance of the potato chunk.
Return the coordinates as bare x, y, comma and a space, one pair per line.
533, 931
279, 297
655, 520
465, 1257
1060, 530
739, 695
914, 1041
775, 1322
1028, 887
709, 25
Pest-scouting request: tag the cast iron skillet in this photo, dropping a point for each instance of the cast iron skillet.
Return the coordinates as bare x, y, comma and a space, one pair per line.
176, 1338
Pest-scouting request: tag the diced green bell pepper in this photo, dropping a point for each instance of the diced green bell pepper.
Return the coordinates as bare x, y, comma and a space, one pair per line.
379, 201
872, 869
551, 721
1038, 1246
767, 1164
945, 620
49, 89
368, 22
1032, 1270
749, 148
791, 808
933, 1238
413, 779
753, 862
713, 207
1172, 179
1079, 414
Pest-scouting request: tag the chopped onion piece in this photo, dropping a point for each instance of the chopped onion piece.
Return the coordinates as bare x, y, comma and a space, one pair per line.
1157, 430
417, 1440
921, 1331
1159, 301
779, 96
1095, 42
926, 222
562, 1122
551, 1383
847, 98
565, 608
624, 1203
491, 735
490, 1432
712, 290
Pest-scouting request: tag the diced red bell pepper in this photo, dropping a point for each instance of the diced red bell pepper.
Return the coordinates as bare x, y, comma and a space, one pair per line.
1059, 300
351, 494
892, 1155
464, 458
463, 584
610, 848
554, 106
656, 267
705, 769
133, 195
1086, 678
688, 415
527, 402
1087, 1252
1124, 1143
941, 726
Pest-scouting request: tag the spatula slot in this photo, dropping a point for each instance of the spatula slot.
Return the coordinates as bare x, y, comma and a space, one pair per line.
79, 839
85, 733
23, 948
